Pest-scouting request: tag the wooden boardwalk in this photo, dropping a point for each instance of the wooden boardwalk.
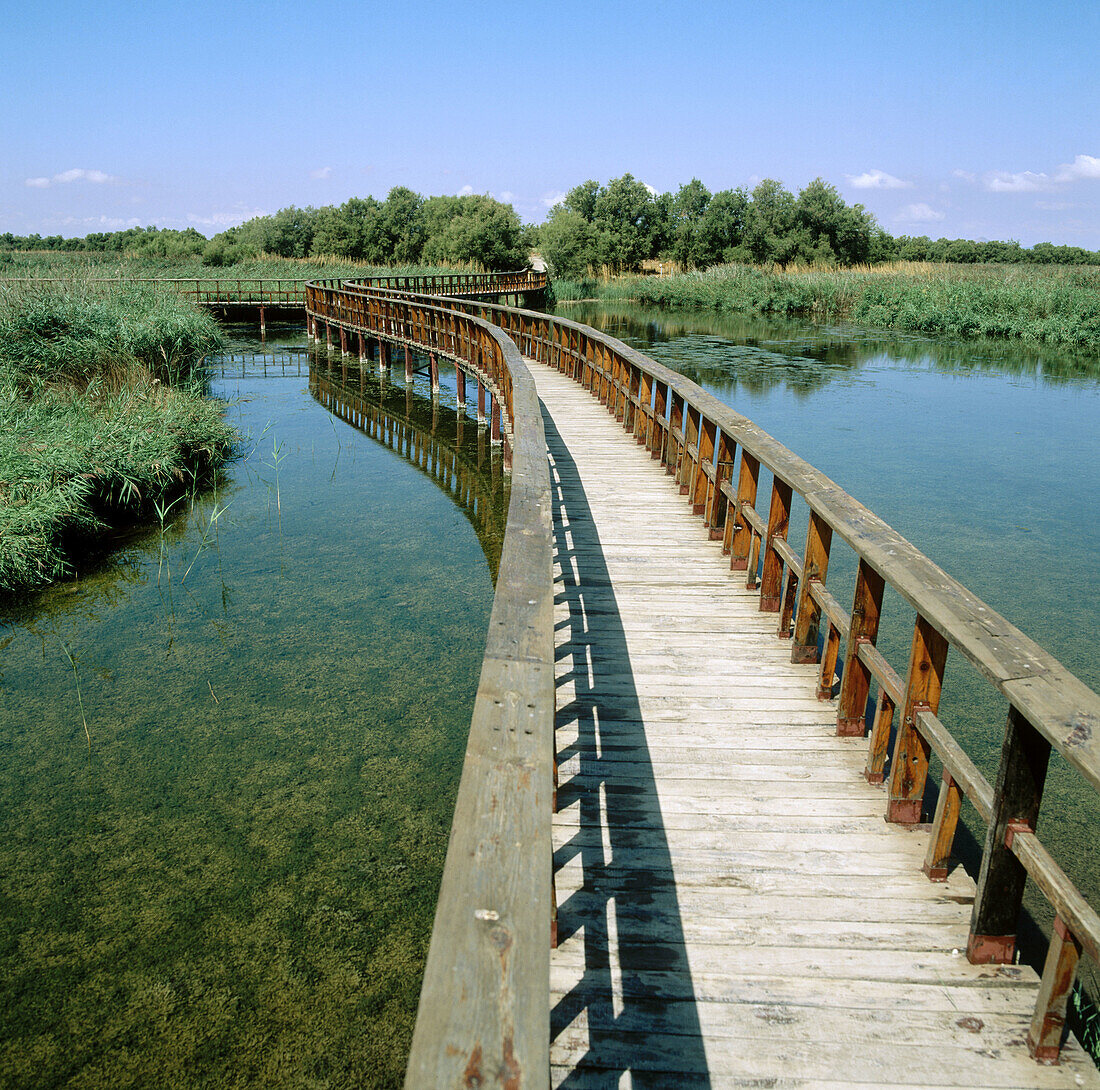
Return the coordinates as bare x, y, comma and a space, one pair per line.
732, 908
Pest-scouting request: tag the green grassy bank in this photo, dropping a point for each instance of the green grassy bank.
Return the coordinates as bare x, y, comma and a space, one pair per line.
1057, 305
102, 417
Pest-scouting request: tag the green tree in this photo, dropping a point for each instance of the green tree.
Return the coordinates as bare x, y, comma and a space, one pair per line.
769, 224
689, 209
473, 230
568, 242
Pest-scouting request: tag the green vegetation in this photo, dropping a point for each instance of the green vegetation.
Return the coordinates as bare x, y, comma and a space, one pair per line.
101, 416
620, 227
613, 228
1057, 306
96, 266
404, 229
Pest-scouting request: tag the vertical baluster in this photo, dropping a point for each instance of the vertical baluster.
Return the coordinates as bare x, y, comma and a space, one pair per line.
688, 461
938, 856
1016, 798
1044, 1037
643, 424
633, 396
786, 608
815, 562
779, 517
675, 424
828, 663
741, 539
855, 687
719, 504
909, 767
700, 496
658, 432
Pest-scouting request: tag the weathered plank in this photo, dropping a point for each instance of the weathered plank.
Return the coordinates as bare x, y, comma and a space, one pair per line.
731, 906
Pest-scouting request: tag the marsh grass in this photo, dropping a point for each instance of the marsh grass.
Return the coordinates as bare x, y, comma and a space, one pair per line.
94, 266
1055, 305
102, 417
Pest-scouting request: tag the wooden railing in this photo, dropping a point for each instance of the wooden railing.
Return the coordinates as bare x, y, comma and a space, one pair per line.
484, 1015
715, 455
504, 283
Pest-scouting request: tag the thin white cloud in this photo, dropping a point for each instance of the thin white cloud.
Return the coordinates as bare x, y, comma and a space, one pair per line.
77, 174
1083, 167
1025, 181
225, 219
506, 196
965, 175
919, 213
548, 200
652, 191
466, 190
876, 179
321, 173
1054, 206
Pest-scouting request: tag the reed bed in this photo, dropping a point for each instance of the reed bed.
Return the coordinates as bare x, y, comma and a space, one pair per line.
45, 265
1056, 305
102, 415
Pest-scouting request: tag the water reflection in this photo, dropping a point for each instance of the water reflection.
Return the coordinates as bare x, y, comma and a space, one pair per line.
438, 439
757, 354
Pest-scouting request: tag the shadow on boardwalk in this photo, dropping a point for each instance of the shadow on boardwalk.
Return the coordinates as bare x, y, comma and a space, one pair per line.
624, 901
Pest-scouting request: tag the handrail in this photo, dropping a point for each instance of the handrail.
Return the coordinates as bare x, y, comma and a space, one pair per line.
696, 438
484, 1013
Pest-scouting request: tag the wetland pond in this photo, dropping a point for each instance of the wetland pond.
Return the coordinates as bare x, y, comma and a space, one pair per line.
236, 885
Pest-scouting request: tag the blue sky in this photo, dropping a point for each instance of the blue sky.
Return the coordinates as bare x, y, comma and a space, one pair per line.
964, 119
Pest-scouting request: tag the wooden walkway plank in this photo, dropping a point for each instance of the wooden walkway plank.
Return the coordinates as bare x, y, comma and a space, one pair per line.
732, 909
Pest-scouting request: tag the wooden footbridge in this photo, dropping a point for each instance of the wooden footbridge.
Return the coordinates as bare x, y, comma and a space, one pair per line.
669, 864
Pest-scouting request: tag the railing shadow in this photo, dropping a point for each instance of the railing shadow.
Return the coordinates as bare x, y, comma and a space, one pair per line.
634, 1007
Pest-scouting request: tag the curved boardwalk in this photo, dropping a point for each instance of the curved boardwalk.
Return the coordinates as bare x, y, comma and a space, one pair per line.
732, 908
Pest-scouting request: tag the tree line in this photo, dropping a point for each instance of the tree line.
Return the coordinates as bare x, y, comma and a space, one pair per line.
615, 227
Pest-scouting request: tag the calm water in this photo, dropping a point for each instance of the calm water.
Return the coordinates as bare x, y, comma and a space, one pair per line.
236, 885
984, 455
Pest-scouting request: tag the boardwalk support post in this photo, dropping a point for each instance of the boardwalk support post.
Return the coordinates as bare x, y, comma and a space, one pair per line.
1016, 798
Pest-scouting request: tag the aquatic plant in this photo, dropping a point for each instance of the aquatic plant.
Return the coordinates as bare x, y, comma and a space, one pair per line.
102, 416
1057, 305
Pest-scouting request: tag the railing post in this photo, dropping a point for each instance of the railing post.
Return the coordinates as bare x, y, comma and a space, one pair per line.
675, 423
688, 463
819, 537
1044, 1037
1016, 799
741, 538
657, 434
855, 687
641, 420
924, 681
779, 515
700, 498
718, 514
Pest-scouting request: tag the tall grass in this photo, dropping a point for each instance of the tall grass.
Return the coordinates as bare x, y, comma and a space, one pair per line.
1058, 305
46, 264
102, 415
